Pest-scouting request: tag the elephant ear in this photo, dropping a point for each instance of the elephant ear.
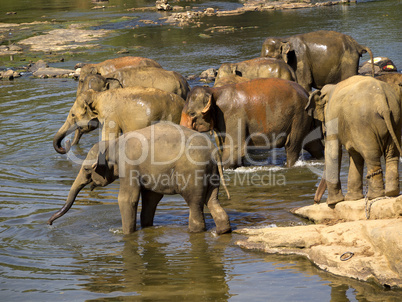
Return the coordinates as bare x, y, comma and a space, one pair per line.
285, 49
316, 105
208, 111
112, 83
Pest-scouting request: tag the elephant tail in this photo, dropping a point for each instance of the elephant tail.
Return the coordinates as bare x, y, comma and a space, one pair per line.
218, 159
388, 122
363, 49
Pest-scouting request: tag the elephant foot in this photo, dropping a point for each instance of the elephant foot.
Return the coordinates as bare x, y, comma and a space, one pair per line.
334, 199
354, 196
223, 230
392, 193
373, 194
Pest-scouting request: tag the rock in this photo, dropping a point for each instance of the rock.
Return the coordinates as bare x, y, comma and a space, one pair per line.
52, 72
9, 74
374, 247
38, 65
352, 210
64, 39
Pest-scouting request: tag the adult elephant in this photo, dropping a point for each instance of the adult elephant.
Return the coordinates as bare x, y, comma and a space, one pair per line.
262, 113
155, 77
150, 162
318, 58
118, 111
364, 115
256, 68
112, 65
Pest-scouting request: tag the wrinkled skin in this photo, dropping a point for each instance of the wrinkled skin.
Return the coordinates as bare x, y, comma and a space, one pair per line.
318, 58
371, 130
254, 69
118, 111
155, 77
112, 65
264, 113
162, 168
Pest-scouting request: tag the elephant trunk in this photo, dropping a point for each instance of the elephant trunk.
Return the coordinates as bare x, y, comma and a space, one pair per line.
65, 130
80, 182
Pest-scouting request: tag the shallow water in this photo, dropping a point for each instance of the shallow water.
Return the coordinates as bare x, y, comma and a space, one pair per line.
84, 256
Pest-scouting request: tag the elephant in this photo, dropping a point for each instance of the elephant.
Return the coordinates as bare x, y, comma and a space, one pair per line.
261, 113
160, 159
257, 68
112, 65
391, 78
318, 58
363, 115
118, 110
229, 79
155, 77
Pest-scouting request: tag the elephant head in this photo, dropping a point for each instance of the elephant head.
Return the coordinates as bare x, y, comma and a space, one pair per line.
198, 112
96, 82
276, 48
82, 119
318, 100
98, 169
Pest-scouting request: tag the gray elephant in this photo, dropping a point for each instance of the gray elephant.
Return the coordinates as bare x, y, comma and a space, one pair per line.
261, 113
363, 115
157, 160
256, 68
318, 58
112, 65
119, 111
155, 77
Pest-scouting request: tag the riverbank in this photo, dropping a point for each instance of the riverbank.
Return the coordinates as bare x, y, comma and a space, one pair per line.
344, 241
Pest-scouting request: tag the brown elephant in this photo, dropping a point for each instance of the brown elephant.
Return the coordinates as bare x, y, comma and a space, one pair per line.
155, 77
112, 65
157, 160
363, 115
391, 78
229, 80
261, 113
318, 58
256, 68
119, 111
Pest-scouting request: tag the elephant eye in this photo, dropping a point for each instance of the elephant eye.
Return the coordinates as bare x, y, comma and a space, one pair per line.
72, 115
192, 114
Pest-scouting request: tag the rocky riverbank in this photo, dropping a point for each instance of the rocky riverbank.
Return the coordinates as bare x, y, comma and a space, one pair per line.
344, 241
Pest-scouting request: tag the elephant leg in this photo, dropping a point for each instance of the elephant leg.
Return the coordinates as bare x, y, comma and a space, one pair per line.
219, 215
333, 155
150, 201
375, 180
355, 176
292, 147
196, 220
392, 169
128, 203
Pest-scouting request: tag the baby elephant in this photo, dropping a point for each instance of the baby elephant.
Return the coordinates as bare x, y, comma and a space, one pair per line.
161, 159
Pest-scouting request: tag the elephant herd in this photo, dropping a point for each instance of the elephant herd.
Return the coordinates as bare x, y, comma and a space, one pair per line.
266, 102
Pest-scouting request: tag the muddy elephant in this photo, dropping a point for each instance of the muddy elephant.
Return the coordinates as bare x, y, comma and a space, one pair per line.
318, 58
229, 79
157, 160
391, 78
257, 68
112, 65
260, 114
363, 115
118, 111
155, 77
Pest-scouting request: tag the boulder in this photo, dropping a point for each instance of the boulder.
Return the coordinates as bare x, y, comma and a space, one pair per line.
364, 250
51, 72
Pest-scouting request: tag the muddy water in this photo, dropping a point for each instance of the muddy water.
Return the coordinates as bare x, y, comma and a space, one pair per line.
84, 256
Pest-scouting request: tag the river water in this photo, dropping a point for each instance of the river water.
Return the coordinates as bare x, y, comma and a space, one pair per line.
84, 255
